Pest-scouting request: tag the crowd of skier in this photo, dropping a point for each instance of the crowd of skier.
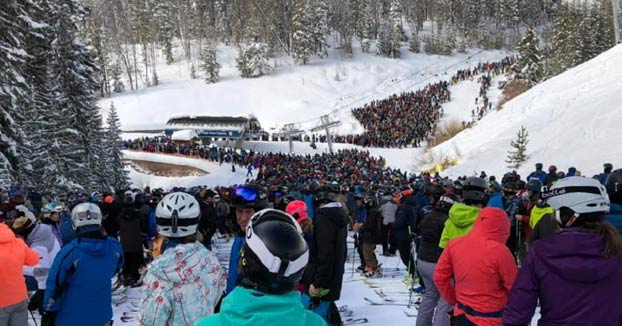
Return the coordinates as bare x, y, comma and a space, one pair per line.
289, 250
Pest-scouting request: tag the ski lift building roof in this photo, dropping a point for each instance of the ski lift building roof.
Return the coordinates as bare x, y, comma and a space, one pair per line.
207, 126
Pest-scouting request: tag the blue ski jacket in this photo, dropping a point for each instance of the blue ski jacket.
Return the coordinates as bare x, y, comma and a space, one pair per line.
232, 276
85, 266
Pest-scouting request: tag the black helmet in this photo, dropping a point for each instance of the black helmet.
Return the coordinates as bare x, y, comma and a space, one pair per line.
534, 185
475, 191
275, 254
608, 167
326, 194
249, 196
614, 186
449, 200
370, 202
510, 187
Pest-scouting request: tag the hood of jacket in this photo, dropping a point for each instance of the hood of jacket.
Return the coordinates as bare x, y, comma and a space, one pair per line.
94, 246
42, 236
242, 305
492, 224
6, 235
462, 215
334, 212
178, 265
576, 255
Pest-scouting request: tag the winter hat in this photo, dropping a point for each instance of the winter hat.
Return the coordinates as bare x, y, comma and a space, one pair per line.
297, 209
24, 219
108, 199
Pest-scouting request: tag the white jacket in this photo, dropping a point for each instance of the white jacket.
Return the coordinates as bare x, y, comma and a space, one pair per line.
43, 241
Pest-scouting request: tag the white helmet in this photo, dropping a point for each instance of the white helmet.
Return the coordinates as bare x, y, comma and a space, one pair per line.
86, 214
581, 195
177, 215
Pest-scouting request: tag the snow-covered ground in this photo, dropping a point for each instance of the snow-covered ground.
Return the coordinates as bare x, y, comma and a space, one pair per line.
573, 119
292, 94
459, 108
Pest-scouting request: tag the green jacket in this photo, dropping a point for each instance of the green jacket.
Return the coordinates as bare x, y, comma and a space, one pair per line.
459, 223
249, 307
537, 213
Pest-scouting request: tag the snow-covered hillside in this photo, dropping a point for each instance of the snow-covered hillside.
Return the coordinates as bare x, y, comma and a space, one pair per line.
573, 119
293, 93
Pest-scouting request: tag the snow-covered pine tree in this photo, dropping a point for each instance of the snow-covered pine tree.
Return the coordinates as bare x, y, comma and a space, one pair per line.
13, 87
72, 69
116, 72
166, 27
303, 41
528, 66
518, 154
565, 39
114, 164
415, 42
319, 23
209, 65
252, 60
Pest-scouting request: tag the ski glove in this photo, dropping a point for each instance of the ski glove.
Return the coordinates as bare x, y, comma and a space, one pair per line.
48, 318
36, 301
317, 292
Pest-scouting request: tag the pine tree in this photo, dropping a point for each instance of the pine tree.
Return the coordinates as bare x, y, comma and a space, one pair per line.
114, 164
166, 28
73, 69
528, 67
252, 60
209, 65
117, 83
13, 87
415, 43
303, 38
518, 155
193, 72
320, 29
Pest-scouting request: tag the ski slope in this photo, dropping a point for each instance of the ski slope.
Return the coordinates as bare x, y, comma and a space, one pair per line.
292, 94
573, 119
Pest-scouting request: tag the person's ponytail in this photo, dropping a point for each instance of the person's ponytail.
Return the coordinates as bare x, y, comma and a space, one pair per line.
612, 242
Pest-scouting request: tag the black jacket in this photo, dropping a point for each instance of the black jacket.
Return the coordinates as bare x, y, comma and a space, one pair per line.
328, 251
431, 229
547, 226
372, 227
406, 216
208, 222
131, 229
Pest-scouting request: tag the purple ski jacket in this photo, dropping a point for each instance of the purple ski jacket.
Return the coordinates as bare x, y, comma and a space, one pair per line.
575, 284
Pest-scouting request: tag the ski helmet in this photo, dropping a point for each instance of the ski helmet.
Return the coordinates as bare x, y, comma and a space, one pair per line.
326, 194
177, 215
608, 167
249, 196
23, 220
576, 196
129, 197
275, 254
86, 214
614, 186
448, 200
370, 202
297, 209
534, 185
475, 191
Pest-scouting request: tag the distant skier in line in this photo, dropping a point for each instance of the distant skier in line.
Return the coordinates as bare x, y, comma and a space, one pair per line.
249, 170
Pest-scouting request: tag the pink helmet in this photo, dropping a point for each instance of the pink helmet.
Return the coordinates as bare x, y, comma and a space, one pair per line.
297, 209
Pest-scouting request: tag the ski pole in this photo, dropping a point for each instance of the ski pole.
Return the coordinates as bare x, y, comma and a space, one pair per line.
353, 253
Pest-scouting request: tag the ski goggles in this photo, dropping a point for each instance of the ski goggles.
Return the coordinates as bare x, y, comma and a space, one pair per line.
274, 264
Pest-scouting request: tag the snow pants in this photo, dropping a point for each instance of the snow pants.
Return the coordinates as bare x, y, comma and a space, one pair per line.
15, 315
433, 309
370, 255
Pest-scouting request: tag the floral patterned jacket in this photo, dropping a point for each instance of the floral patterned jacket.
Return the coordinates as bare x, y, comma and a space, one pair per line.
181, 286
